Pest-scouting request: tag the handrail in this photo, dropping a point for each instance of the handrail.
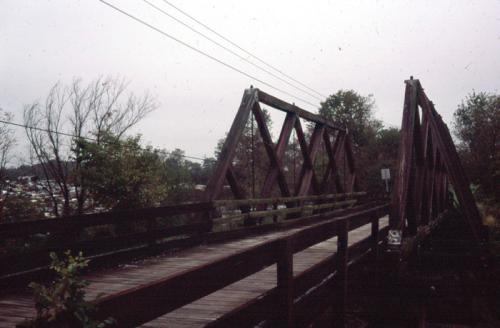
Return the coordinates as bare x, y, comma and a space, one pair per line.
63, 233
298, 209
164, 295
112, 217
277, 200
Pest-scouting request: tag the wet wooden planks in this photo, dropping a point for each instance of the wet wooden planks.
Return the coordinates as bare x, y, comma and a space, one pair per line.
206, 309
15, 308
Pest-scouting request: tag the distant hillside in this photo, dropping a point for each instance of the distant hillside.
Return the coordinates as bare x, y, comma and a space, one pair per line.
24, 170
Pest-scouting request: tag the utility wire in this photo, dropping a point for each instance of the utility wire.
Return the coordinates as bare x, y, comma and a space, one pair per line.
231, 51
241, 48
74, 136
202, 52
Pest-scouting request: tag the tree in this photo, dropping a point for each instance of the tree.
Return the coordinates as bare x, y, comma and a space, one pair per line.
82, 111
7, 141
477, 127
355, 112
200, 173
121, 174
20, 207
382, 153
178, 176
250, 161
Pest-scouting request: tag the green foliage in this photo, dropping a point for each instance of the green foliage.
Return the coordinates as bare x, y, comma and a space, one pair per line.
381, 153
201, 173
20, 208
367, 133
177, 176
355, 111
63, 304
121, 174
477, 126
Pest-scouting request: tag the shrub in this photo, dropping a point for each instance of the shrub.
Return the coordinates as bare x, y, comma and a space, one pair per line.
62, 304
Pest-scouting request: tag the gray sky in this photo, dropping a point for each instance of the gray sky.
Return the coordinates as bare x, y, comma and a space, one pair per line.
453, 47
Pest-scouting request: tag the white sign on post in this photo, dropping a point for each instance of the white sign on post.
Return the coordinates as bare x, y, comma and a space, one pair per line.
386, 176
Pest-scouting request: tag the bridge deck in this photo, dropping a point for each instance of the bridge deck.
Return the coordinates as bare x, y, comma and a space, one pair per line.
16, 307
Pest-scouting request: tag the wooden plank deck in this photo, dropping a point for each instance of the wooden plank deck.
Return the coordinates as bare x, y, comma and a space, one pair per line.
14, 308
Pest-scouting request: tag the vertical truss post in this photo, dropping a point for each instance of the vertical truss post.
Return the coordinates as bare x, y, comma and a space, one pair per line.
405, 159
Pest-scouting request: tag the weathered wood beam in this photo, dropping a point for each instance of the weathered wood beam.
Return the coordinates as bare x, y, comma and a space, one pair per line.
332, 169
282, 200
284, 211
238, 191
456, 174
340, 299
158, 297
281, 145
420, 171
352, 185
274, 157
308, 161
226, 155
289, 108
427, 188
285, 285
405, 158
307, 173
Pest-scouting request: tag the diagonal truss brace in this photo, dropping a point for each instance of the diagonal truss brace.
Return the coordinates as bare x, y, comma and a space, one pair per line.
276, 152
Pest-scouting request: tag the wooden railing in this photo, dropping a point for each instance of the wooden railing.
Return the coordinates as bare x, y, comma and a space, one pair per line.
284, 305
143, 231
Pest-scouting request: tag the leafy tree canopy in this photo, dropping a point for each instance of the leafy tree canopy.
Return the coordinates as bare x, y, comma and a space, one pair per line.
477, 127
355, 111
121, 174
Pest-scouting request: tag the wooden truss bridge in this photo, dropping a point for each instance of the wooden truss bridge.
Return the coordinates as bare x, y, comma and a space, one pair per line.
286, 258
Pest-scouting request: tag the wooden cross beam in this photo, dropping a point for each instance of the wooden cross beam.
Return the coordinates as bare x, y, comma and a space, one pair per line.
309, 152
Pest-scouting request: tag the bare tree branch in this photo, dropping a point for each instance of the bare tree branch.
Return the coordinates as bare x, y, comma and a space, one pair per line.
86, 111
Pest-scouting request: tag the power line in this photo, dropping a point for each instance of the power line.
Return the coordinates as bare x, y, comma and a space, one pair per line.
202, 52
75, 136
231, 51
45, 130
241, 48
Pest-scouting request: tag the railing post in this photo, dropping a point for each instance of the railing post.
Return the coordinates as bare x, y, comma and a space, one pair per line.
375, 236
151, 226
340, 294
285, 284
208, 219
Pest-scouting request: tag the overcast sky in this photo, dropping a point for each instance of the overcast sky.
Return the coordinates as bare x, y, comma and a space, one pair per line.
453, 47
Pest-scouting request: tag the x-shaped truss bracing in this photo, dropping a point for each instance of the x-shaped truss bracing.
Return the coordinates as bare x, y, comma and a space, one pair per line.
323, 131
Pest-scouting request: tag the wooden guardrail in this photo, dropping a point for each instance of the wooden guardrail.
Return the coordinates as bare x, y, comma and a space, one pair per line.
289, 299
131, 233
